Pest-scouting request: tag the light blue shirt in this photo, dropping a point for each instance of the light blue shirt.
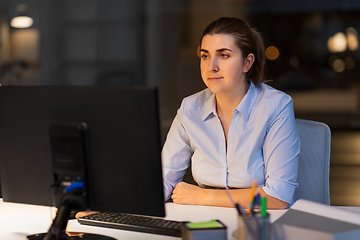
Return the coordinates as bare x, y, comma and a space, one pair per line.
263, 144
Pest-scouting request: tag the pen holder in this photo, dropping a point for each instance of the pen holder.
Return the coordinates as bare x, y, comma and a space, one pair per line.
254, 228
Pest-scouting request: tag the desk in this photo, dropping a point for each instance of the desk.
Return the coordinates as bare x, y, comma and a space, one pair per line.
19, 220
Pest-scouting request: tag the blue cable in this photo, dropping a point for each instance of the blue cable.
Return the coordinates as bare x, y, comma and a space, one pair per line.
75, 185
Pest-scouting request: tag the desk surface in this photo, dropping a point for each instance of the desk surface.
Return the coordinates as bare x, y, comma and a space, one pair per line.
20, 220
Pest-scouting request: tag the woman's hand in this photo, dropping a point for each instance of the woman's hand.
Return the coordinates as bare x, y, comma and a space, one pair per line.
83, 214
185, 193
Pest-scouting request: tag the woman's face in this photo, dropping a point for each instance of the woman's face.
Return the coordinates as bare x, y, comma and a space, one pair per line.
223, 69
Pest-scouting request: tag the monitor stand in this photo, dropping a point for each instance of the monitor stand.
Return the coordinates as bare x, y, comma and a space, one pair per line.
58, 227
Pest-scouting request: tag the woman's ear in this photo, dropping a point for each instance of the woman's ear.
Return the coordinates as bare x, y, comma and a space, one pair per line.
198, 52
250, 59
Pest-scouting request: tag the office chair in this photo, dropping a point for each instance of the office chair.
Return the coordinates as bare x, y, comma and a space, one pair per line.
314, 161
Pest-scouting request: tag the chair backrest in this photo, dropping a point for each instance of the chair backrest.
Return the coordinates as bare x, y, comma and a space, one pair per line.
314, 161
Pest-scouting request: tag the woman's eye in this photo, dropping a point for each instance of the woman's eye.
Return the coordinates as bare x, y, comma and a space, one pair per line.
204, 56
223, 55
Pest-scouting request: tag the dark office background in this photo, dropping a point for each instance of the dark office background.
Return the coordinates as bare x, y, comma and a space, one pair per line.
313, 55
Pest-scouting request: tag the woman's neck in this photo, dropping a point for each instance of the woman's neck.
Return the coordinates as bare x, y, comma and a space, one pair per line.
227, 102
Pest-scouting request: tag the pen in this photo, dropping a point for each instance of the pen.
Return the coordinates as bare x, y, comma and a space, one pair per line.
255, 202
236, 205
252, 192
258, 199
263, 212
263, 215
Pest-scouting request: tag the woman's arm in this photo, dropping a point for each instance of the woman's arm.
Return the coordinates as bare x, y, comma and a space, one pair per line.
175, 155
185, 193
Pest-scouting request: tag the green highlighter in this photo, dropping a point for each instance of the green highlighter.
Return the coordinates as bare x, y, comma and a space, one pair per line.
210, 230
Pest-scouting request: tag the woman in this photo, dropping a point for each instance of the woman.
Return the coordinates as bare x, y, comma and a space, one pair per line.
235, 132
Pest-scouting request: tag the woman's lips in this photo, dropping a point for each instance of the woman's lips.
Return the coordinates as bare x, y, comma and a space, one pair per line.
214, 78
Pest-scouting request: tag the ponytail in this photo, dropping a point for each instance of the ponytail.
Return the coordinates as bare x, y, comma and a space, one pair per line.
257, 72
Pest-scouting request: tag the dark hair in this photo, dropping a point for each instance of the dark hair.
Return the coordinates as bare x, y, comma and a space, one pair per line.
247, 39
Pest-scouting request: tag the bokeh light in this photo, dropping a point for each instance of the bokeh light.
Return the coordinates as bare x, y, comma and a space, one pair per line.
21, 22
352, 39
294, 62
338, 65
272, 53
337, 43
349, 63
332, 58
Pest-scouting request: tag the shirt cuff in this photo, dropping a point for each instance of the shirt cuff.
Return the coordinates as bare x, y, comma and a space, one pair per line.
281, 190
167, 190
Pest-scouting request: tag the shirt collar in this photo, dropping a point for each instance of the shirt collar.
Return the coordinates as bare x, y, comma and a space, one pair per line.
248, 102
244, 107
209, 107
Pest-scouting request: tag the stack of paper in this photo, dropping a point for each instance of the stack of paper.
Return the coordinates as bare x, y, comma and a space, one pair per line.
211, 230
310, 220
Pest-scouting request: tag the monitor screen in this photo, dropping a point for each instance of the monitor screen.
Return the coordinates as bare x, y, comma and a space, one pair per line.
124, 144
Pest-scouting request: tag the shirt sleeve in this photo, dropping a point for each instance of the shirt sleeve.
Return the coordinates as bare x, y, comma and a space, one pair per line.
281, 155
176, 155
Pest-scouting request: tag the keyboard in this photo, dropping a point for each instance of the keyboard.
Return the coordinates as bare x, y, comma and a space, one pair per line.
132, 222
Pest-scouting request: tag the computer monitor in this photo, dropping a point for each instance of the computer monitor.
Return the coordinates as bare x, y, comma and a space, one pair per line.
124, 144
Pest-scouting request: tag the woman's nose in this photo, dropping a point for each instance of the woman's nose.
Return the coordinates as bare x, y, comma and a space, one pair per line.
213, 66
